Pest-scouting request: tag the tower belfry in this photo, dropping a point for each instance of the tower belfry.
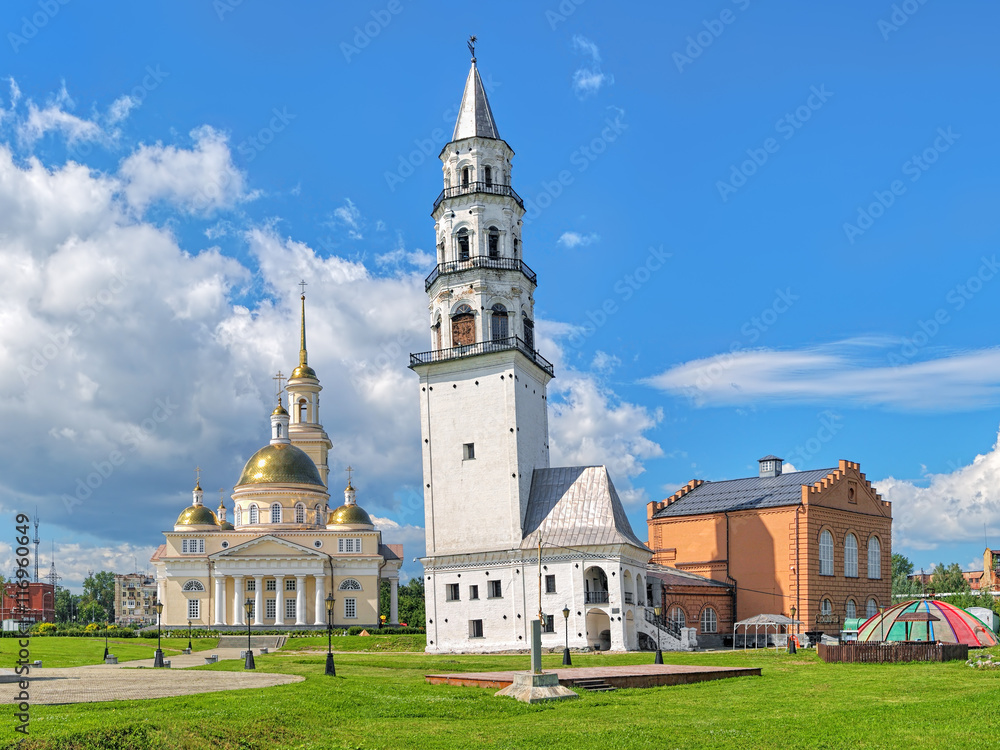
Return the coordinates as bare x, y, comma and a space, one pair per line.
483, 384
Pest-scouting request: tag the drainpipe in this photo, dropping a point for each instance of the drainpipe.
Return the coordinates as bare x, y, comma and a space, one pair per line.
798, 606
729, 578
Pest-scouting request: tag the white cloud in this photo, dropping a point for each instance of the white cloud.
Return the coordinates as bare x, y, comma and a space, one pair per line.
589, 78
843, 372
951, 508
575, 239
199, 180
350, 217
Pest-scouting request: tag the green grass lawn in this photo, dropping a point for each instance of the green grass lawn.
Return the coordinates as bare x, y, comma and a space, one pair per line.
380, 700
62, 651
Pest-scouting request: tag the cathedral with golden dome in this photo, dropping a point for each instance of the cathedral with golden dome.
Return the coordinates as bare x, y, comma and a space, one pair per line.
285, 550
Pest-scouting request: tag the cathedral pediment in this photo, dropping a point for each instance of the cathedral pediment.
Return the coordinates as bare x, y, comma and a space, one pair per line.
266, 546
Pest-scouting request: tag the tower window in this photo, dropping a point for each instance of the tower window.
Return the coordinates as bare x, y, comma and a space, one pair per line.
254, 517
239, 516
498, 323
529, 331
494, 241
463, 244
303, 411
517, 244
300, 513
463, 327
468, 451
465, 177
276, 513
488, 176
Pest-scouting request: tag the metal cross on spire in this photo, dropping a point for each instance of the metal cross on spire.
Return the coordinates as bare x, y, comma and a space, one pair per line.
280, 378
197, 472
349, 470
303, 286
472, 47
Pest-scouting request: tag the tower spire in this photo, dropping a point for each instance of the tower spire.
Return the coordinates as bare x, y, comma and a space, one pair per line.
303, 370
475, 118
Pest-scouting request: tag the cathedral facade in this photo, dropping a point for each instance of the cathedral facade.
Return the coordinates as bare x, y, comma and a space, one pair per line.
509, 539
285, 550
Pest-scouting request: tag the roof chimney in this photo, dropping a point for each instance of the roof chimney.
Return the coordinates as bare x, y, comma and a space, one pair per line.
770, 466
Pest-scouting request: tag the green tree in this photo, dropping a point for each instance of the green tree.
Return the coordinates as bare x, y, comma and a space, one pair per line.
99, 589
65, 605
948, 579
411, 602
901, 565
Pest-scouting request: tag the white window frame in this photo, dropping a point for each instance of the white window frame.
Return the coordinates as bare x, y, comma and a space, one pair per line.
494, 586
476, 629
825, 553
254, 513
350, 546
270, 608
300, 513
871, 607
350, 608
850, 556
850, 609
350, 584
192, 546
251, 584
270, 585
194, 609
709, 620
290, 605
289, 584
275, 511
452, 592
678, 616
874, 558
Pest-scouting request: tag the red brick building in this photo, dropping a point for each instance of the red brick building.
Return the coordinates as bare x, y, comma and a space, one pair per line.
39, 604
693, 601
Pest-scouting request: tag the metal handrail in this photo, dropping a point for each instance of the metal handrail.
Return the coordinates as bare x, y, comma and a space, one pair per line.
478, 187
480, 261
595, 597
483, 347
668, 626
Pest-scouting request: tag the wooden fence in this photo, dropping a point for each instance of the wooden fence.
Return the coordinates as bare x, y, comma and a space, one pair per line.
878, 653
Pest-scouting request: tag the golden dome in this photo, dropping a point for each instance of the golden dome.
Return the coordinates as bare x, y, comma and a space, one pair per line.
349, 514
280, 462
304, 371
227, 526
196, 515
279, 409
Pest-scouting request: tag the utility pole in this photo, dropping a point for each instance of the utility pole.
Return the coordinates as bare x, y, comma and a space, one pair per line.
37, 541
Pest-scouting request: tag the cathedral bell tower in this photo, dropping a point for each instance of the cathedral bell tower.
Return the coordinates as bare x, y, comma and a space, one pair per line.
483, 403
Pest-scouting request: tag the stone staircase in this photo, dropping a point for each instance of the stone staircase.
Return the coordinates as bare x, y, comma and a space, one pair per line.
270, 642
594, 686
671, 637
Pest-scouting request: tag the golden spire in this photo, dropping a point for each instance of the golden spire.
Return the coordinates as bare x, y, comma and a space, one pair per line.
197, 483
303, 370
349, 470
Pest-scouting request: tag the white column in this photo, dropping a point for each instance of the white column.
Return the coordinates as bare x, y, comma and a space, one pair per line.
279, 600
320, 614
238, 600
300, 600
220, 600
258, 605
394, 601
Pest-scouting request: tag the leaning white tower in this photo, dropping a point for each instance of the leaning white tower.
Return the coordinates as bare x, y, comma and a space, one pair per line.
483, 404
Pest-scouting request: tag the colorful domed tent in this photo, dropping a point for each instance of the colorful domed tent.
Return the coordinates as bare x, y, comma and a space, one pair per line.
927, 620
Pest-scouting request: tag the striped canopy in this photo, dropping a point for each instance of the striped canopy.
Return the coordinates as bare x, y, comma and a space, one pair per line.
953, 625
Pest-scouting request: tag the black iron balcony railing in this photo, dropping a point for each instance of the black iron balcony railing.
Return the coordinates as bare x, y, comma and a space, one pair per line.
483, 347
480, 261
668, 626
595, 597
477, 187
629, 597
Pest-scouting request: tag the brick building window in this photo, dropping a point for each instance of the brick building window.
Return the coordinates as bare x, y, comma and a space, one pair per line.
871, 609
826, 554
874, 558
826, 607
677, 617
709, 621
851, 609
851, 556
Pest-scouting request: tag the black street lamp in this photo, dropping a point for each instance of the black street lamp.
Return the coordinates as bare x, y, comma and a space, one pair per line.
659, 654
105, 640
248, 606
330, 668
791, 639
567, 662
189, 634
158, 656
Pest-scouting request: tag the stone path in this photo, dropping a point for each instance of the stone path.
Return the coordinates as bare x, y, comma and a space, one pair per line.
623, 676
113, 682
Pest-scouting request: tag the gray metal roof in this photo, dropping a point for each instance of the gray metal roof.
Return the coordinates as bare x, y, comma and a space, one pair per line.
675, 577
744, 494
475, 118
576, 506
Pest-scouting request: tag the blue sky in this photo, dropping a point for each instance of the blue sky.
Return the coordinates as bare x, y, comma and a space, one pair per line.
758, 228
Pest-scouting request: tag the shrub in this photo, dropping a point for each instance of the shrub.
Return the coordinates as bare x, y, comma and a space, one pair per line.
44, 628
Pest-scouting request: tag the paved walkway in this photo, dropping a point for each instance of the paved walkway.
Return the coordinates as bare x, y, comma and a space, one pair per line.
624, 676
110, 682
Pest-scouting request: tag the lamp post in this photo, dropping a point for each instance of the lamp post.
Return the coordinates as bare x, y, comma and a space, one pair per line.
189, 634
158, 656
567, 662
330, 668
105, 640
791, 639
248, 607
881, 623
659, 654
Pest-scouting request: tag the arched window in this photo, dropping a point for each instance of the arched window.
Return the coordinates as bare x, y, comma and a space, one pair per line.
871, 609
826, 607
494, 241
463, 244
529, 331
276, 513
436, 333
488, 176
349, 584
303, 410
465, 177
826, 553
517, 243
193, 585
300, 513
319, 515
677, 617
254, 517
851, 609
463, 326
498, 323
874, 558
239, 516
851, 556
709, 621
